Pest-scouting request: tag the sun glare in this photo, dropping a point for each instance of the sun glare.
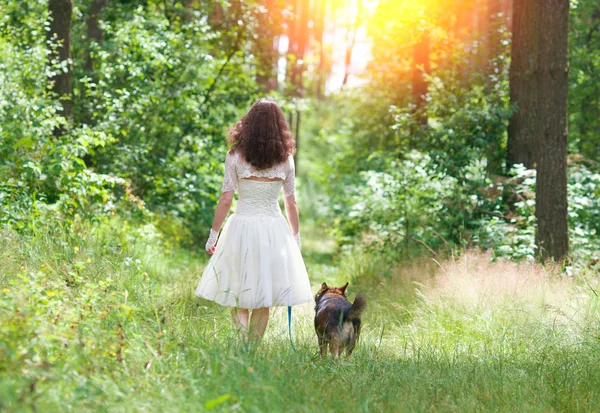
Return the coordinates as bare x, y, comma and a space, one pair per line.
353, 27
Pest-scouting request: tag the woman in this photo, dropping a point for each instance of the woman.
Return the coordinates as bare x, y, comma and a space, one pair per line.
257, 262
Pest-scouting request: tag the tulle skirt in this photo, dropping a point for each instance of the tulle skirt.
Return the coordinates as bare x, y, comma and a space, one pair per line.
256, 264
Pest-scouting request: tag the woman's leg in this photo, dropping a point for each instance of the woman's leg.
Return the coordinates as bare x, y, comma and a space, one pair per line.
240, 319
258, 323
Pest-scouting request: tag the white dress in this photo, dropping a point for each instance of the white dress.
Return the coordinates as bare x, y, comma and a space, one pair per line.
257, 262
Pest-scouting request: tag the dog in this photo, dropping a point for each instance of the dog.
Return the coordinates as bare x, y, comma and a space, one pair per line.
337, 320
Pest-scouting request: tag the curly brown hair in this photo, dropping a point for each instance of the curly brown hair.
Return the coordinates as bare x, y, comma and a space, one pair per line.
263, 136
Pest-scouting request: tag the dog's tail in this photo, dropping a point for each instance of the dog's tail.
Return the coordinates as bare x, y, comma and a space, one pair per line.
359, 305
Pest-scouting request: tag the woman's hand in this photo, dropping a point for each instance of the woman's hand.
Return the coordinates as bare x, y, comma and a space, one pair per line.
212, 241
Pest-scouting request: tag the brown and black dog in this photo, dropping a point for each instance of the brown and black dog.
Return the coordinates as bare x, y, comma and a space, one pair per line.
337, 320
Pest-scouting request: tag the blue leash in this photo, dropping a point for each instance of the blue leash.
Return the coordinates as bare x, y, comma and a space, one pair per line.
290, 326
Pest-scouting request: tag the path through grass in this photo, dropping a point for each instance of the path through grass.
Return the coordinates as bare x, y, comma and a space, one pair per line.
89, 328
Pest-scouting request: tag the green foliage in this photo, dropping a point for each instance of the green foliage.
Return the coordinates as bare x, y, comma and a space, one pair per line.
411, 187
434, 188
398, 205
465, 123
584, 72
43, 174
408, 204
150, 117
157, 91
96, 303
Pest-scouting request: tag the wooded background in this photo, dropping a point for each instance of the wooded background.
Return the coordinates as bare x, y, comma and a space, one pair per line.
444, 146
130, 100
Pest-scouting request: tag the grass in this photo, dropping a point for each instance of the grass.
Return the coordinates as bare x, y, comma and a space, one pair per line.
87, 327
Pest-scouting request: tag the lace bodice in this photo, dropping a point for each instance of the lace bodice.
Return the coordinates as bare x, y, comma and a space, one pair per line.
258, 198
236, 169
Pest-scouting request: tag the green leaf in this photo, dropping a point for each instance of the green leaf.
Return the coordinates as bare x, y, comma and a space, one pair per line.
26, 142
211, 404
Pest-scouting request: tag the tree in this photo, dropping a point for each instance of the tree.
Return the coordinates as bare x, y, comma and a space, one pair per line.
319, 37
537, 133
523, 76
60, 54
94, 32
550, 115
298, 35
495, 19
351, 40
421, 69
584, 57
494, 66
269, 21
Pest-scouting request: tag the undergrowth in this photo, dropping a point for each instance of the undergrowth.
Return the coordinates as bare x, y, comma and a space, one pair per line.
90, 324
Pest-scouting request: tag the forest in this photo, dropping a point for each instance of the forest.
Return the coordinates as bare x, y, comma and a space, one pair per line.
447, 167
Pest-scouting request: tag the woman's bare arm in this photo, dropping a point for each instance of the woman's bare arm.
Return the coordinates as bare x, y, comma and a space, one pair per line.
291, 210
222, 210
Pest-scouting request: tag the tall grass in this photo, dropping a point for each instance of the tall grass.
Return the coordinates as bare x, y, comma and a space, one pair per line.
87, 325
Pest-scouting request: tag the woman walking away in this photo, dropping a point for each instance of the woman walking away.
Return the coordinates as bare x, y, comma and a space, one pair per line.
257, 262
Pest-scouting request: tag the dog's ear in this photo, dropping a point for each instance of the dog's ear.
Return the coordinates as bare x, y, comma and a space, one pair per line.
321, 291
343, 289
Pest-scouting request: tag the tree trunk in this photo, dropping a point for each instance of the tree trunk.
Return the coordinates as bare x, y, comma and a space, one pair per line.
216, 17
301, 34
524, 73
60, 34
420, 70
188, 10
496, 19
319, 37
463, 20
94, 33
507, 9
492, 48
292, 50
351, 41
552, 235
266, 73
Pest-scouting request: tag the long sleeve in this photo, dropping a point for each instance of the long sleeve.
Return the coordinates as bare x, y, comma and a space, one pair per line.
289, 185
230, 180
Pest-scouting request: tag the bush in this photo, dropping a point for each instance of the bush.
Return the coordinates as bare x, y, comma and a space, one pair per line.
147, 139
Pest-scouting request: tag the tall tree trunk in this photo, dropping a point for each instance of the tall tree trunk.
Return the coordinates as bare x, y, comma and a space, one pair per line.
188, 10
266, 74
301, 34
465, 22
552, 235
217, 15
524, 73
60, 34
507, 9
351, 41
483, 33
292, 50
94, 33
492, 48
420, 70
319, 37
496, 19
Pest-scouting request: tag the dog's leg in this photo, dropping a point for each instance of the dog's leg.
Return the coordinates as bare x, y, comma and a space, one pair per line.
334, 349
350, 347
353, 339
322, 345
